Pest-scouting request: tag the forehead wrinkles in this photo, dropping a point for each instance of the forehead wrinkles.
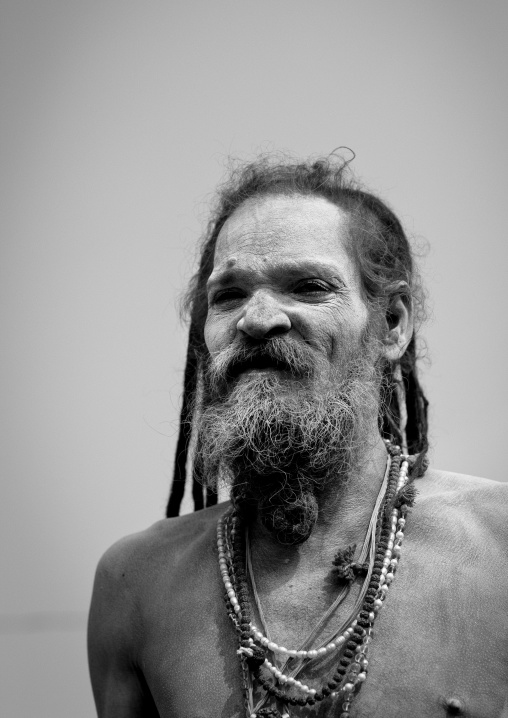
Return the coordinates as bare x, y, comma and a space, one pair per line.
249, 230
299, 226
246, 241
312, 222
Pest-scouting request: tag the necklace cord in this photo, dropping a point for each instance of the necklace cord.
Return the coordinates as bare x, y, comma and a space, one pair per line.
369, 546
382, 542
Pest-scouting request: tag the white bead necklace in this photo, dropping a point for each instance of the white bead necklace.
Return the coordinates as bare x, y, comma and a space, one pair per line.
357, 671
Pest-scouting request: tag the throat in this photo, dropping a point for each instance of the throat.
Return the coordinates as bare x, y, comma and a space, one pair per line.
288, 604
296, 596
304, 581
299, 524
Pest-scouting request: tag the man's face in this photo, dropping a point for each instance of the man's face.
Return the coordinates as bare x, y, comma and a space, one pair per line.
290, 391
281, 268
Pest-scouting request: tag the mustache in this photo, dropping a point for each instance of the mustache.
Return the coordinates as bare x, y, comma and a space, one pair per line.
280, 353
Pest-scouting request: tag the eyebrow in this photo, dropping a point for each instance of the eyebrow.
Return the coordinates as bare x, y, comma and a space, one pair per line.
295, 268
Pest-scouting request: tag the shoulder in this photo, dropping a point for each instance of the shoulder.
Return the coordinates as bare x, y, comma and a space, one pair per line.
139, 568
462, 490
137, 582
463, 506
170, 540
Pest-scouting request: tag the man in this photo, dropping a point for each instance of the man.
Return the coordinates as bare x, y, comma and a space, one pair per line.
302, 396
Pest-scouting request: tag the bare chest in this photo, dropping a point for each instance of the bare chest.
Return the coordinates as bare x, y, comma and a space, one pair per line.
439, 645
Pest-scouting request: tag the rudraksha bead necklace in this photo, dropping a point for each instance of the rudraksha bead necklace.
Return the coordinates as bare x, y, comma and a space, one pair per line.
350, 642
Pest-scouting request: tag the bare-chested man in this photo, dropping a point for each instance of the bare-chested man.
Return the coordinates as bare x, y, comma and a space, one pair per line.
326, 587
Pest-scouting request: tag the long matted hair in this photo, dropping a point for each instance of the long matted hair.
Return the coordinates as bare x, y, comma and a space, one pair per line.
383, 255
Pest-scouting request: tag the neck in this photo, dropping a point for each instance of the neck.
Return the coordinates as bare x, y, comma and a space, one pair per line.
343, 518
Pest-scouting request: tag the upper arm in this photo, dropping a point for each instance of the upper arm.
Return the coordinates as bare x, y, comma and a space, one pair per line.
118, 686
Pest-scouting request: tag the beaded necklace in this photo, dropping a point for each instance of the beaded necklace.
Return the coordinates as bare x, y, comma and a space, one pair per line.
351, 641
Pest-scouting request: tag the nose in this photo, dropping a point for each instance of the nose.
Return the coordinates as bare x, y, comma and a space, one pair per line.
263, 317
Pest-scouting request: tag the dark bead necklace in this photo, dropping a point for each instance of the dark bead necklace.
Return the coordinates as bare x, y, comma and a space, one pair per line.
352, 645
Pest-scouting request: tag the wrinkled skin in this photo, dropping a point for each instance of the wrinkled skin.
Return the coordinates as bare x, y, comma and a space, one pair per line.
160, 641
162, 645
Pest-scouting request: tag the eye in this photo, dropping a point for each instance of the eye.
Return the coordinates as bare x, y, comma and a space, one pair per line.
224, 296
312, 287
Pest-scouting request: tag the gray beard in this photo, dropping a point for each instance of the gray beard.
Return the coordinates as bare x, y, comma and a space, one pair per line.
281, 439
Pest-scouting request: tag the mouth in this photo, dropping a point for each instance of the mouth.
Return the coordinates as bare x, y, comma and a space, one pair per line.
257, 364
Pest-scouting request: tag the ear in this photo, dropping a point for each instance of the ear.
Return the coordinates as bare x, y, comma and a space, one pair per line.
398, 328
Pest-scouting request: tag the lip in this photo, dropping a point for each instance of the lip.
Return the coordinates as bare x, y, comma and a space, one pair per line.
259, 370
257, 364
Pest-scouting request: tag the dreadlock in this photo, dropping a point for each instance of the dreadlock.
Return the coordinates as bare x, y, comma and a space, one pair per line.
383, 256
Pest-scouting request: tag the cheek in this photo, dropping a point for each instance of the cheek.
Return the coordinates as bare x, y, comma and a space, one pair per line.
209, 334
344, 331
217, 333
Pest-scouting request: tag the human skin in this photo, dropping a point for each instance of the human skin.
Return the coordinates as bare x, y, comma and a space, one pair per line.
160, 641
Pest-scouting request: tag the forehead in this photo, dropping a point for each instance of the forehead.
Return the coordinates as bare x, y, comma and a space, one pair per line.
293, 227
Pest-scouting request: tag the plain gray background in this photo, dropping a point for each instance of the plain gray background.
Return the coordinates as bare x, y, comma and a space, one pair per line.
117, 120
